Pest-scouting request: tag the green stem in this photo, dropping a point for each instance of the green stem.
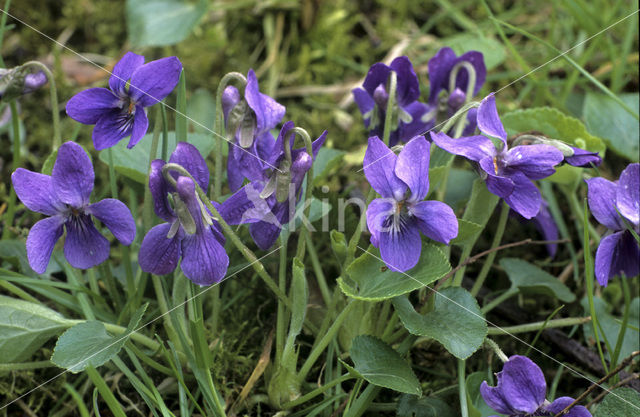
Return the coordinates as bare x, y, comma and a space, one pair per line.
147, 205
388, 117
17, 160
497, 238
577, 211
165, 134
282, 285
462, 389
355, 238
322, 344
219, 130
493, 345
316, 392
317, 269
625, 321
18, 292
25, 366
588, 272
164, 309
499, 299
532, 327
53, 93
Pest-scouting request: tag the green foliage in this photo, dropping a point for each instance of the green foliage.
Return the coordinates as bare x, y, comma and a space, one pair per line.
530, 279
412, 406
619, 402
162, 22
607, 119
477, 406
455, 321
367, 278
25, 327
492, 50
89, 344
379, 364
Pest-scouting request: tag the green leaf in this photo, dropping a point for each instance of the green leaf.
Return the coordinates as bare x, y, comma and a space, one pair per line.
555, 124
492, 50
162, 22
300, 297
481, 409
371, 280
612, 327
619, 402
455, 321
380, 365
606, 118
133, 163
326, 161
88, 343
532, 280
47, 166
201, 108
466, 231
412, 406
459, 186
25, 327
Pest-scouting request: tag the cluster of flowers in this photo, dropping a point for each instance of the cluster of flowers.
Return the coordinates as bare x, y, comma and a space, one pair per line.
191, 232
396, 219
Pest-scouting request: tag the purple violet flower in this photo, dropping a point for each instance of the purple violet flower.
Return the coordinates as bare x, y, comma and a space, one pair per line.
447, 97
268, 203
546, 226
64, 196
521, 392
408, 112
396, 220
249, 122
190, 233
618, 252
18, 81
583, 158
508, 172
119, 112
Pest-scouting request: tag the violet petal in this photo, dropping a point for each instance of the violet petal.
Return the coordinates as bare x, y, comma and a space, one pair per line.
204, 260
412, 167
379, 162
140, 126
436, 220
190, 158
89, 105
488, 120
41, 240
111, 128
159, 255
400, 249
123, 70
474, 148
36, 192
525, 198
408, 87
268, 111
84, 246
534, 161
378, 212
601, 195
72, 176
155, 80
117, 217
628, 193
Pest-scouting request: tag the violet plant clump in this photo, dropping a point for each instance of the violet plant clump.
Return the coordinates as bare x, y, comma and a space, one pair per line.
396, 220
249, 120
616, 205
190, 232
119, 111
64, 197
509, 173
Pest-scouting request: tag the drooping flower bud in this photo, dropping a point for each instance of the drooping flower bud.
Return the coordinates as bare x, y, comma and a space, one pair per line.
18, 81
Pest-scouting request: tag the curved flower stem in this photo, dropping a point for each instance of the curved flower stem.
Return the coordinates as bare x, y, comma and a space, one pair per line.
388, 117
460, 113
471, 72
502, 222
493, 345
307, 197
219, 130
17, 160
228, 231
53, 92
148, 200
539, 325
282, 284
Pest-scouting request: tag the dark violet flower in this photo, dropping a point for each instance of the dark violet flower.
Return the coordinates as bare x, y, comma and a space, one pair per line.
408, 112
269, 202
249, 121
546, 226
190, 232
396, 220
582, 158
64, 196
508, 172
618, 253
18, 81
119, 111
521, 392
446, 94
